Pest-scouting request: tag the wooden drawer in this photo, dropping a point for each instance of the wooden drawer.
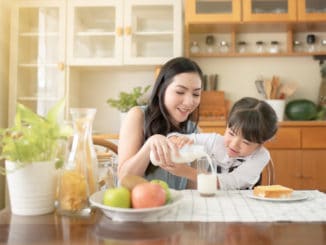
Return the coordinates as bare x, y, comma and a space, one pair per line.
314, 137
286, 138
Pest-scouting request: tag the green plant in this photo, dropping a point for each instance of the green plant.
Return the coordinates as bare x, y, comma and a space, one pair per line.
33, 138
128, 100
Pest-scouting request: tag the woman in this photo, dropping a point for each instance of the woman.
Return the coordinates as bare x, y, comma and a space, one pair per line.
172, 106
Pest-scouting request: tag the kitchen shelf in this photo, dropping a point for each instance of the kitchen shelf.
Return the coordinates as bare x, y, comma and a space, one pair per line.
282, 27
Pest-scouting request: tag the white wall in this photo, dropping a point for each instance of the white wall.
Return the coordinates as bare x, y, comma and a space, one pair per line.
237, 75
4, 68
236, 78
96, 86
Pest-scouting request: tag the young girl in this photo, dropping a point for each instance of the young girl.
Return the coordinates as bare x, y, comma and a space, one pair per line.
239, 155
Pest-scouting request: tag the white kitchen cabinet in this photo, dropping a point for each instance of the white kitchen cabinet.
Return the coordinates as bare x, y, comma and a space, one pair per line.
117, 32
37, 55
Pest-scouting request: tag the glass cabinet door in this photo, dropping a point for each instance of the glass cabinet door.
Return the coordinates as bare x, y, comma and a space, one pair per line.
37, 77
312, 10
269, 10
153, 31
213, 10
95, 32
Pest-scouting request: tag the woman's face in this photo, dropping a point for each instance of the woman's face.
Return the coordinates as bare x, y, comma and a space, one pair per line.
182, 96
236, 145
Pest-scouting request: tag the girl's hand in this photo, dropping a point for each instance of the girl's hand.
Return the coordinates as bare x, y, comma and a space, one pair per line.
181, 170
180, 140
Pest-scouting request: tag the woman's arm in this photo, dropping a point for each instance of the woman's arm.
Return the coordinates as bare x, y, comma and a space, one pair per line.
134, 152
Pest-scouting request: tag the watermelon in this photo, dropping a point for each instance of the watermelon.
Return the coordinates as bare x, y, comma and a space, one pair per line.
301, 110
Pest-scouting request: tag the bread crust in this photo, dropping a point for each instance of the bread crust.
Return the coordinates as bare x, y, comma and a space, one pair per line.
272, 191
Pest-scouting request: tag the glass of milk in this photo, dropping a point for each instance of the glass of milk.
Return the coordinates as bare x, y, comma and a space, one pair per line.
206, 178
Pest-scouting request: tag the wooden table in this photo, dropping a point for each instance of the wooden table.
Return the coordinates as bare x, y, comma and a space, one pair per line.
53, 229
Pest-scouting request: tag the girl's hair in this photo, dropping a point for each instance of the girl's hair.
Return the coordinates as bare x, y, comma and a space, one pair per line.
255, 119
156, 116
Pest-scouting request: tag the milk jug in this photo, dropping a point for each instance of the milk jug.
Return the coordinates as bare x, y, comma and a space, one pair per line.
187, 153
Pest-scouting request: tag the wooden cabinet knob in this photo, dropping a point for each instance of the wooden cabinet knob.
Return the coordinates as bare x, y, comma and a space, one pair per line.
61, 66
128, 30
119, 31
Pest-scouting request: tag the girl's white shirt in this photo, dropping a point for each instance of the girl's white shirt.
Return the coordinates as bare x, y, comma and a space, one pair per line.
249, 169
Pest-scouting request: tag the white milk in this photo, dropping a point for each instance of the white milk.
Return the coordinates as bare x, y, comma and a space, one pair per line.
187, 153
206, 184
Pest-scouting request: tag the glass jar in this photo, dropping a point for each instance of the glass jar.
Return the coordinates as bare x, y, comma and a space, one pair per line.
78, 179
224, 47
311, 40
297, 46
323, 44
210, 41
274, 47
260, 47
194, 47
242, 47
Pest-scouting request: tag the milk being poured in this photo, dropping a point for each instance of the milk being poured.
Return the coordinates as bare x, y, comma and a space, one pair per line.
206, 179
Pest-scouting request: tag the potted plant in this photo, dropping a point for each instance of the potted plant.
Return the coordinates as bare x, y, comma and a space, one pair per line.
30, 149
128, 100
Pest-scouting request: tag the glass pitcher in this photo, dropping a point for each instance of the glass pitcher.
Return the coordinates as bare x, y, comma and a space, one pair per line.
78, 179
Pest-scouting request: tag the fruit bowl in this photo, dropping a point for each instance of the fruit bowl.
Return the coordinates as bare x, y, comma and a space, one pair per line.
130, 214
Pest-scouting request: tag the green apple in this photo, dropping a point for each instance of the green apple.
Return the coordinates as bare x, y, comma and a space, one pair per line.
118, 197
166, 188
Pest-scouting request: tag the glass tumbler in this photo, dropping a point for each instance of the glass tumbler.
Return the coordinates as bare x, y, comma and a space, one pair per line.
206, 178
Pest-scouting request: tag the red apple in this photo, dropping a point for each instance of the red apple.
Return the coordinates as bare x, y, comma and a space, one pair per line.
148, 195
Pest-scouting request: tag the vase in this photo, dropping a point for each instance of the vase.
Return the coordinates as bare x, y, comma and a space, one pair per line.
78, 179
32, 187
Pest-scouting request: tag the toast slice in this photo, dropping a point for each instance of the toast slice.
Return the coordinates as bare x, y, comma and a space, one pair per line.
272, 191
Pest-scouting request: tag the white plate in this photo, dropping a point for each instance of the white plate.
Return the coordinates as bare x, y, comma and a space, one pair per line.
296, 196
129, 214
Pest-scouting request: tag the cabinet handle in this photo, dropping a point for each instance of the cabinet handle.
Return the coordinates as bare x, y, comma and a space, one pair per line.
128, 30
119, 31
61, 66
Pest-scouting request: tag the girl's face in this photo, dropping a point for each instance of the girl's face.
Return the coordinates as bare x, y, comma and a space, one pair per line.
182, 96
236, 145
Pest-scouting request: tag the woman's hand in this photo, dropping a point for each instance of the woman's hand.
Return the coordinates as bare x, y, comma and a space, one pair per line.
162, 147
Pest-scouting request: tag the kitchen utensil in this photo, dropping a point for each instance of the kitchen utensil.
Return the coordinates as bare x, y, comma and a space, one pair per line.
268, 88
260, 87
275, 87
287, 90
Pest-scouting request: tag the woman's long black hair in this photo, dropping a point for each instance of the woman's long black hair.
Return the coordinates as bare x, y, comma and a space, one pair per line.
156, 116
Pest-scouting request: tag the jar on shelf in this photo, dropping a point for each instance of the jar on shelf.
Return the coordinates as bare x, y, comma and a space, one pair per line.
260, 47
224, 47
297, 46
78, 179
323, 44
210, 41
194, 47
311, 43
242, 47
274, 48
